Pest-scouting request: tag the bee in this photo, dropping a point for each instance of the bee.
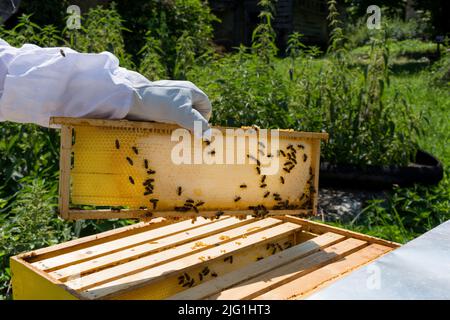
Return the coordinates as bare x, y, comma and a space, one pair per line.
148, 182
277, 198
291, 147
287, 163
255, 127
207, 142
181, 209
212, 152
200, 203
154, 202
252, 157
287, 244
287, 170
259, 258
62, 52
310, 170
282, 180
214, 274
145, 163
243, 186
148, 215
195, 209
180, 279
282, 153
117, 144
205, 271
151, 171
179, 191
131, 179
302, 196
263, 185
294, 161
258, 163
135, 150
229, 259
189, 201
266, 194
200, 276
130, 161
147, 192
236, 199
263, 178
218, 214
305, 157
258, 170
300, 146
269, 155
276, 195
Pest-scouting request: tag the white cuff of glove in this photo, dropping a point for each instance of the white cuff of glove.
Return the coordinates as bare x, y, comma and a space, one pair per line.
179, 102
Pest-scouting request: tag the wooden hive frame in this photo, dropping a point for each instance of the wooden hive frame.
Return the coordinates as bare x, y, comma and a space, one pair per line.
282, 257
69, 127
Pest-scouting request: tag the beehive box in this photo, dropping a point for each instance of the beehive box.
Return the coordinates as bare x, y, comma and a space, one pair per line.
243, 243
281, 257
142, 169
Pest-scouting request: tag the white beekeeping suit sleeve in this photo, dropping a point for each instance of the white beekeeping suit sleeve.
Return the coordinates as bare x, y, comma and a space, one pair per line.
38, 83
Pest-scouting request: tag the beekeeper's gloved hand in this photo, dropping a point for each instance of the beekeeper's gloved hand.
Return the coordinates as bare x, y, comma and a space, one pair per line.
39, 83
179, 102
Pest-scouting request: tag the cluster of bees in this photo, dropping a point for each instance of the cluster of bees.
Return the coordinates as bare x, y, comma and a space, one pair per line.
185, 280
148, 184
291, 161
259, 211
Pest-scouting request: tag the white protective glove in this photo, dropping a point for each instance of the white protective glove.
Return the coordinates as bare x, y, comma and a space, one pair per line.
179, 102
38, 83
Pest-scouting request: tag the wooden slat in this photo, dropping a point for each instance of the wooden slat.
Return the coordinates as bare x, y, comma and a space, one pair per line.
137, 214
64, 167
236, 277
320, 228
60, 248
305, 285
166, 256
146, 249
164, 126
267, 281
192, 261
315, 166
115, 245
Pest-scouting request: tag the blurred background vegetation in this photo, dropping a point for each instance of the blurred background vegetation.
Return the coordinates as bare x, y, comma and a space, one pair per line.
381, 94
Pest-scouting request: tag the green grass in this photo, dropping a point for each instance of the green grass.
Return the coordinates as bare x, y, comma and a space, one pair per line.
409, 212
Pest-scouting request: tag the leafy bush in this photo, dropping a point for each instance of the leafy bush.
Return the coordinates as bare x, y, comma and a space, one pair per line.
32, 223
396, 28
167, 21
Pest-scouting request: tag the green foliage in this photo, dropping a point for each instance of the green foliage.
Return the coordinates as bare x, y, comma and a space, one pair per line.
171, 22
396, 28
441, 71
101, 30
31, 224
26, 150
408, 213
263, 37
151, 65
185, 56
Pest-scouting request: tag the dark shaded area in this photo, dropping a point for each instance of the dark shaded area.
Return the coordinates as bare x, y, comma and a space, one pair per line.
426, 170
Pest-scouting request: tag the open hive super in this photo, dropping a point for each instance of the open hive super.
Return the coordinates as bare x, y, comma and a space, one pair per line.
225, 258
140, 170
